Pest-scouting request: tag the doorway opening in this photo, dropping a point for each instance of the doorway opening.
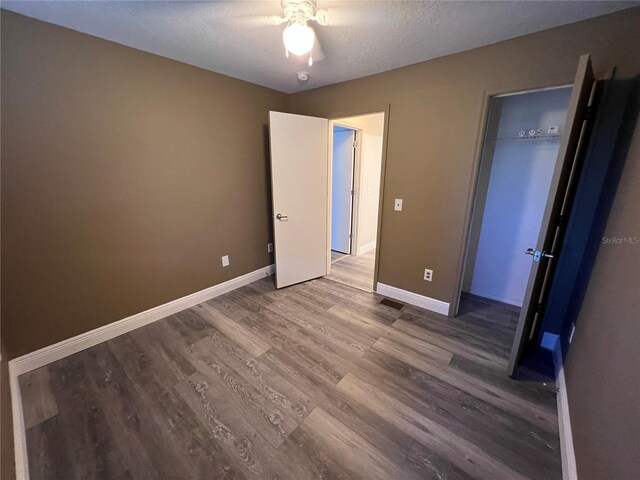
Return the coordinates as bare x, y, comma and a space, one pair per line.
343, 188
519, 155
356, 168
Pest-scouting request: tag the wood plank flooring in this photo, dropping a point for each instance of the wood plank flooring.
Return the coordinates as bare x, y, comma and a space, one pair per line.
352, 270
335, 256
318, 380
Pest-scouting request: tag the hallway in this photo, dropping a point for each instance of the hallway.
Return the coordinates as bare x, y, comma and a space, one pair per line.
355, 271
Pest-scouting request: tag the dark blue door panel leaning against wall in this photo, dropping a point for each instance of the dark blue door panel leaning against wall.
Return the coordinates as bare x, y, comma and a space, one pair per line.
618, 106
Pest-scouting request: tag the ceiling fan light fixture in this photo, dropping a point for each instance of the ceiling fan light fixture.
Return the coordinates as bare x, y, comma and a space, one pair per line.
298, 38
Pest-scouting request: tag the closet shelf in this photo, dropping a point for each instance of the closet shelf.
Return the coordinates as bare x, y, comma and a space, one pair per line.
528, 138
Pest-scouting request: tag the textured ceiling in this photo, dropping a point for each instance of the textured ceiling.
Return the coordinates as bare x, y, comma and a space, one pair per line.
235, 37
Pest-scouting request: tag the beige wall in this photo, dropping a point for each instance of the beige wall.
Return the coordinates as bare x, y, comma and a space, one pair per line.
125, 177
372, 127
435, 110
603, 363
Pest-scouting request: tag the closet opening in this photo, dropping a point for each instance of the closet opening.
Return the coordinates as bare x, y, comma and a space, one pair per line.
518, 158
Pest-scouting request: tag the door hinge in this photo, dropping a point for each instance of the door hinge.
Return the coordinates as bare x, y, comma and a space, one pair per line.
588, 112
350, 236
353, 192
355, 144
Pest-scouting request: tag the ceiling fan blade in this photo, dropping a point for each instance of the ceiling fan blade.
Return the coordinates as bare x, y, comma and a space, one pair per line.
322, 17
316, 52
357, 13
260, 20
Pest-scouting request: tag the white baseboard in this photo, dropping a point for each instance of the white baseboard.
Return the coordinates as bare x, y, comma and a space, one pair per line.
569, 468
57, 351
367, 248
19, 433
63, 349
421, 301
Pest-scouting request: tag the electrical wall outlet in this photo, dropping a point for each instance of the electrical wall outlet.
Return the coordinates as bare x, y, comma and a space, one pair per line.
397, 205
269, 247
428, 274
225, 261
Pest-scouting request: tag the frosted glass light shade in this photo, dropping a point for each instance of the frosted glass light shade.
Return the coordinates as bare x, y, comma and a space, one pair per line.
298, 38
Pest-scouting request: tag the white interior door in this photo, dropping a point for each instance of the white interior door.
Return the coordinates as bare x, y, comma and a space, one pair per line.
341, 190
299, 181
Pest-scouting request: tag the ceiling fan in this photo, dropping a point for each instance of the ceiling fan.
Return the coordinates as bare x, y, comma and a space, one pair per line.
298, 37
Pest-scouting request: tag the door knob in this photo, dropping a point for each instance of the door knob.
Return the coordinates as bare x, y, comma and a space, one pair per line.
281, 217
537, 254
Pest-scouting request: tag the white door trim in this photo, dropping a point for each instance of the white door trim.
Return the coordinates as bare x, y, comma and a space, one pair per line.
356, 181
353, 214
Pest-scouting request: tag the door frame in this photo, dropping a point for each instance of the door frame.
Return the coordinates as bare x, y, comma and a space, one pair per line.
383, 108
483, 126
355, 200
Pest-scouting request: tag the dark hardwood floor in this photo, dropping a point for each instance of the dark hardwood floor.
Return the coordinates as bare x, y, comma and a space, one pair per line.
318, 380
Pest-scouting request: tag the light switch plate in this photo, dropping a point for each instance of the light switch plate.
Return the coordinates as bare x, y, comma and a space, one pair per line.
397, 205
225, 261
